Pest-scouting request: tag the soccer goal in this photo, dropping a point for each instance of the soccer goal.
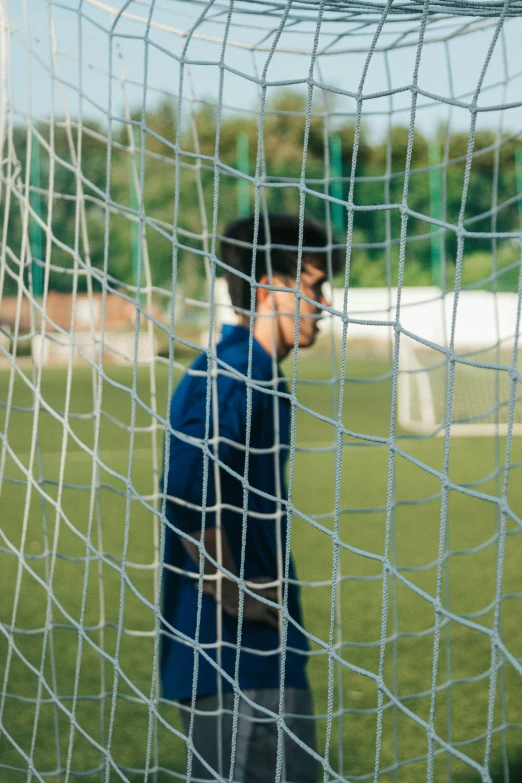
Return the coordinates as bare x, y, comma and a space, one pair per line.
132, 134
481, 397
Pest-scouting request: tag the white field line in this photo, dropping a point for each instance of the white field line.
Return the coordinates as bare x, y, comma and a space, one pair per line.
144, 453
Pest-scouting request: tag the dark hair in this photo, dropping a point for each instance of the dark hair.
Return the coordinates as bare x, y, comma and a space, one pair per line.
237, 244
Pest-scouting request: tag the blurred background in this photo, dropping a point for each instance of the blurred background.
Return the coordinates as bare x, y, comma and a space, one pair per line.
131, 134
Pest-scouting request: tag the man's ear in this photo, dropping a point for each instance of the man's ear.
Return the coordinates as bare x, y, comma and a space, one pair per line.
262, 294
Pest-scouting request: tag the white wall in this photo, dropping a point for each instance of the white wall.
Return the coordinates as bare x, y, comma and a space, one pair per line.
119, 348
482, 317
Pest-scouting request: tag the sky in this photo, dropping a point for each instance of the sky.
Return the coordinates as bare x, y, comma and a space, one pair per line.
84, 45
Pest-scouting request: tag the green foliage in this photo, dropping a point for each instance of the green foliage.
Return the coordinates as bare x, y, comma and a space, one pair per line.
207, 181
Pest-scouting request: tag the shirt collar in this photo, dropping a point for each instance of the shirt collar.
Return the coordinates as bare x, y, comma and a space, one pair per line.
237, 333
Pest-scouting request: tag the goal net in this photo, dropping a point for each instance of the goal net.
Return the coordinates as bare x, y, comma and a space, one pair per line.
132, 133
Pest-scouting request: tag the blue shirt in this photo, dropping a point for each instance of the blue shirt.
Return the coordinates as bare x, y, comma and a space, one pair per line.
260, 663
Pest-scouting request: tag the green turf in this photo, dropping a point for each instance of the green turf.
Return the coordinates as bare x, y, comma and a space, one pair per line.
408, 663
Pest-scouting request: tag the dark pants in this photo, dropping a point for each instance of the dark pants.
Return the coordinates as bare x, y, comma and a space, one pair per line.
256, 742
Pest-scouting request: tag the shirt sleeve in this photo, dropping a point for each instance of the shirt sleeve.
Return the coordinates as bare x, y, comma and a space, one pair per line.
185, 479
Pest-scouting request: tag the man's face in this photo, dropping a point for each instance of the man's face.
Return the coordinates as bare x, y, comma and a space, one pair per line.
311, 284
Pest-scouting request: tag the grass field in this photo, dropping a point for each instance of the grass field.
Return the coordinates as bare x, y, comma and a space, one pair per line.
464, 662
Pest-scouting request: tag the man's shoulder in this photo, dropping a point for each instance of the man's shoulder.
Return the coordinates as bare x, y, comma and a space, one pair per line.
232, 357
233, 367
228, 360
229, 363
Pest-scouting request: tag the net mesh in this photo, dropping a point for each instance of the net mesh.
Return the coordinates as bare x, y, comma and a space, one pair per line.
130, 134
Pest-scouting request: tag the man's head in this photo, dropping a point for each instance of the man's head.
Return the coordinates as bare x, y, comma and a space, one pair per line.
276, 264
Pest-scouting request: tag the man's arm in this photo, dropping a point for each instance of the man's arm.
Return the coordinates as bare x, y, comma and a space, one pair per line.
253, 610
184, 480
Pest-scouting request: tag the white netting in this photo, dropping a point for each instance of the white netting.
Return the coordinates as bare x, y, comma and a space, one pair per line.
131, 133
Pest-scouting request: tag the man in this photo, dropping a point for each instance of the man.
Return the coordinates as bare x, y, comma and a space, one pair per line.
206, 512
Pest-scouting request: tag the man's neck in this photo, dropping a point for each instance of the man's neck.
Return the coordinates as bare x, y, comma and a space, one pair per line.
264, 329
